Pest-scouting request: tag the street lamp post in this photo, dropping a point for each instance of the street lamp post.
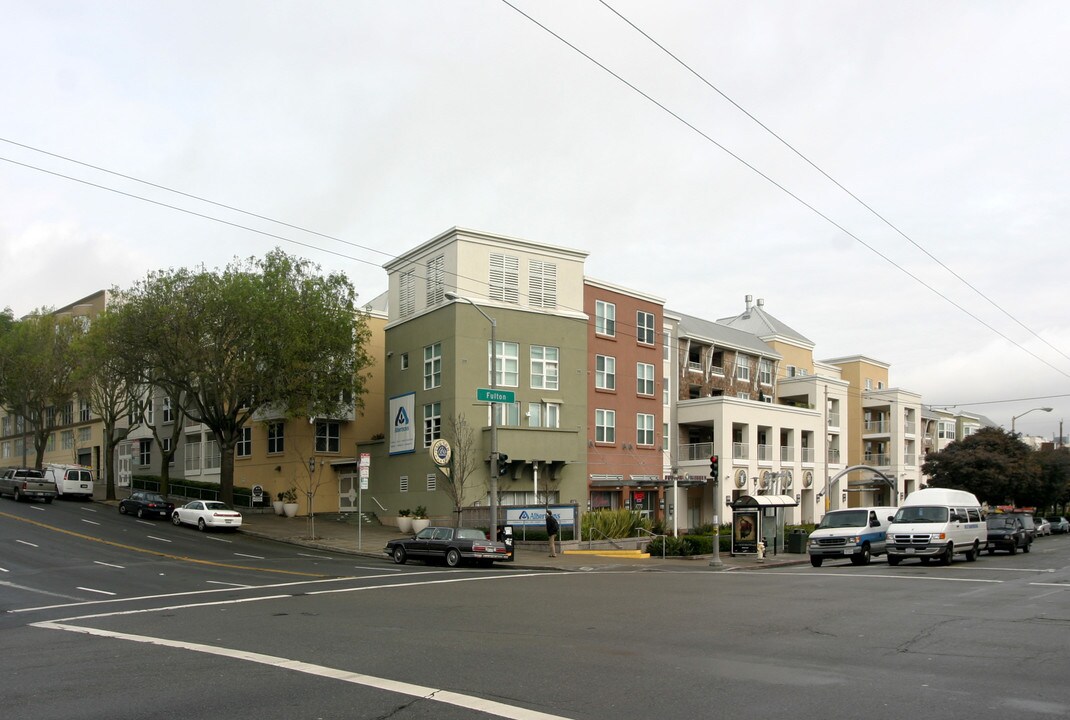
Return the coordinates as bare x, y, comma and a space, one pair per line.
493, 504
1015, 417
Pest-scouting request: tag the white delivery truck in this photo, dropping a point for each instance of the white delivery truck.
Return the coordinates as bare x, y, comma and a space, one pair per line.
854, 533
937, 523
71, 480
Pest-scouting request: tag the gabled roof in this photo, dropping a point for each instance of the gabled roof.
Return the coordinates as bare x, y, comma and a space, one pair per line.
758, 322
722, 335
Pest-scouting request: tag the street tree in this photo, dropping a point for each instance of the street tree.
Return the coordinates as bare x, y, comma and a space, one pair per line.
463, 461
104, 378
992, 464
261, 334
37, 373
1053, 466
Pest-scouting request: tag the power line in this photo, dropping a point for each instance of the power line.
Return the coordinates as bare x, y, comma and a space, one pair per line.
831, 179
782, 188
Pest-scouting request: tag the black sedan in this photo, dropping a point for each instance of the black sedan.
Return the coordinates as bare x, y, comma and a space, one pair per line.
146, 504
1006, 532
452, 545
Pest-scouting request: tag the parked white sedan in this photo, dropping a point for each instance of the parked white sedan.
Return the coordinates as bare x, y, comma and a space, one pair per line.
207, 514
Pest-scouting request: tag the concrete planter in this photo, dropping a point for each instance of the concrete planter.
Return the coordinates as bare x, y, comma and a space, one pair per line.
289, 509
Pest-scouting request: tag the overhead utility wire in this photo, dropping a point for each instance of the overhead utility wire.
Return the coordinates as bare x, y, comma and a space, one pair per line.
831, 179
187, 211
997, 402
191, 196
785, 190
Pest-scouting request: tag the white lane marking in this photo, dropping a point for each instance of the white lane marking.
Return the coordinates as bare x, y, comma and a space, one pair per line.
27, 543
254, 557
218, 539
1050, 592
429, 582
94, 590
1028, 570
296, 583
146, 522
89, 509
3, 569
1064, 586
91, 522
153, 537
38, 509
121, 567
38, 591
320, 557
469, 702
237, 585
384, 569
860, 576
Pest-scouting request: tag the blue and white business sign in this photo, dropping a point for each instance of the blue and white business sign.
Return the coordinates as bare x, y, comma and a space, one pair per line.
402, 429
536, 516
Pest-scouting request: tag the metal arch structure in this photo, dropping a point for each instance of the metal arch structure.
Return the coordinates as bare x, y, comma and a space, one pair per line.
836, 478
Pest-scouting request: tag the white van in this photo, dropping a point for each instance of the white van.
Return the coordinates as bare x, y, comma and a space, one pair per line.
937, 523
855, 533
71, 480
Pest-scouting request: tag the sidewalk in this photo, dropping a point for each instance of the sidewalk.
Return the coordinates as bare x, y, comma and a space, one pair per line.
341, 533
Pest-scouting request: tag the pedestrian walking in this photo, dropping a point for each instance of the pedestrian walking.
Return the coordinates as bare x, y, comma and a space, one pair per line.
552, 528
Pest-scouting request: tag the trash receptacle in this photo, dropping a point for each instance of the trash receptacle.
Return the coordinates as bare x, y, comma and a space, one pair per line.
797, 542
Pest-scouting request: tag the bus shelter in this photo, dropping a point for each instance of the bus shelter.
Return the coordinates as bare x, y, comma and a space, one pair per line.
759, 518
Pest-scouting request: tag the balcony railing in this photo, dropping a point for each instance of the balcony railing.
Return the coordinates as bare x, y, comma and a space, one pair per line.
910, 459
834, 419
765, 453
910, 427
740, 451
834, 456
878, 459
876, 426
807, 455
787, 453
694, 366
695, 451
717, 370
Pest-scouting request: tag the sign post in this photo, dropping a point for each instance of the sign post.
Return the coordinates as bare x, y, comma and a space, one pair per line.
365, 466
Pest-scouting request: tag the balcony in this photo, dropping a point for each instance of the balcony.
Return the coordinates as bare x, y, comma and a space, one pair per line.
807, 455
910, 459
787, 454
910, 427
740, 451
878, 459
694, 367
834, 419
834, 456
765, 453
880, 427
695, 451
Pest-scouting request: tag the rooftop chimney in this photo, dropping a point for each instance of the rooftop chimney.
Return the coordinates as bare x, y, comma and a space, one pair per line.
761, 302
748, 299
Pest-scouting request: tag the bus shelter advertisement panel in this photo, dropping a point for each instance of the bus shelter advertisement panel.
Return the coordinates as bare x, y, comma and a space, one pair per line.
745, 532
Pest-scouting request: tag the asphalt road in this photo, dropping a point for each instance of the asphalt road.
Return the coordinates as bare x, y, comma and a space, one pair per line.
104, 616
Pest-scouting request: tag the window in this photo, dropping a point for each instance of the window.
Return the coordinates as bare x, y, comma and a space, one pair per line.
404, 361
508, 369
5, 425
404, 484
165, 408
326, 436
150, 410
605, 422
432, 366
869, 384
431, 482
50, 446
542, 284
544, 415
605, 318
83, 411
742, 368
743, 395
946, 430
880, 384
436, 268
276, 437
67, 440
790, 371
68, 414
432, 423
665, 346
765, 372
544, 367
144, 452
644, 429
644, 379
665, 391
406, 294
504, 281
166, 443
605, 372
85, 435
50, 416
644, 327
508, 414
244, 448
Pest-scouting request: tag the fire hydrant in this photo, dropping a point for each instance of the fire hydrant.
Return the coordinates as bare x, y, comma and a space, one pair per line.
761, 552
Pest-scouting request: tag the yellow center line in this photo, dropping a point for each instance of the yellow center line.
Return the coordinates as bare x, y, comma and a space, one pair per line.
180, 558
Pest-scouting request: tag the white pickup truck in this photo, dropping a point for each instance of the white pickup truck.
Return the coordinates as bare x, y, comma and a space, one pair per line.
27, 484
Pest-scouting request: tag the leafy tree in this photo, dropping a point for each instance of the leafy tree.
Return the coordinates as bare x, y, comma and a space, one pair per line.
993, 464
1054, 476
37, 372
259, 334
104, 378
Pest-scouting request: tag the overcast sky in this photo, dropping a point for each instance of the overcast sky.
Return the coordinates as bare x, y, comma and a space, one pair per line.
384, 123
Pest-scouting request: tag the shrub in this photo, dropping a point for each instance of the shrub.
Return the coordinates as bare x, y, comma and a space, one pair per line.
613, 524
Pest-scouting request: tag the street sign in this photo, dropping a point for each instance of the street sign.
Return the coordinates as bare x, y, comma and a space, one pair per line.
495, 395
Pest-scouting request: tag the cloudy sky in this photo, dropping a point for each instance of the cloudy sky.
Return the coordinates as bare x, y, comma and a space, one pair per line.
383, 123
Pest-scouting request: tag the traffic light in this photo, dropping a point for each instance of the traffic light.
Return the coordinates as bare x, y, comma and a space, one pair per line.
713, 466
503, 464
